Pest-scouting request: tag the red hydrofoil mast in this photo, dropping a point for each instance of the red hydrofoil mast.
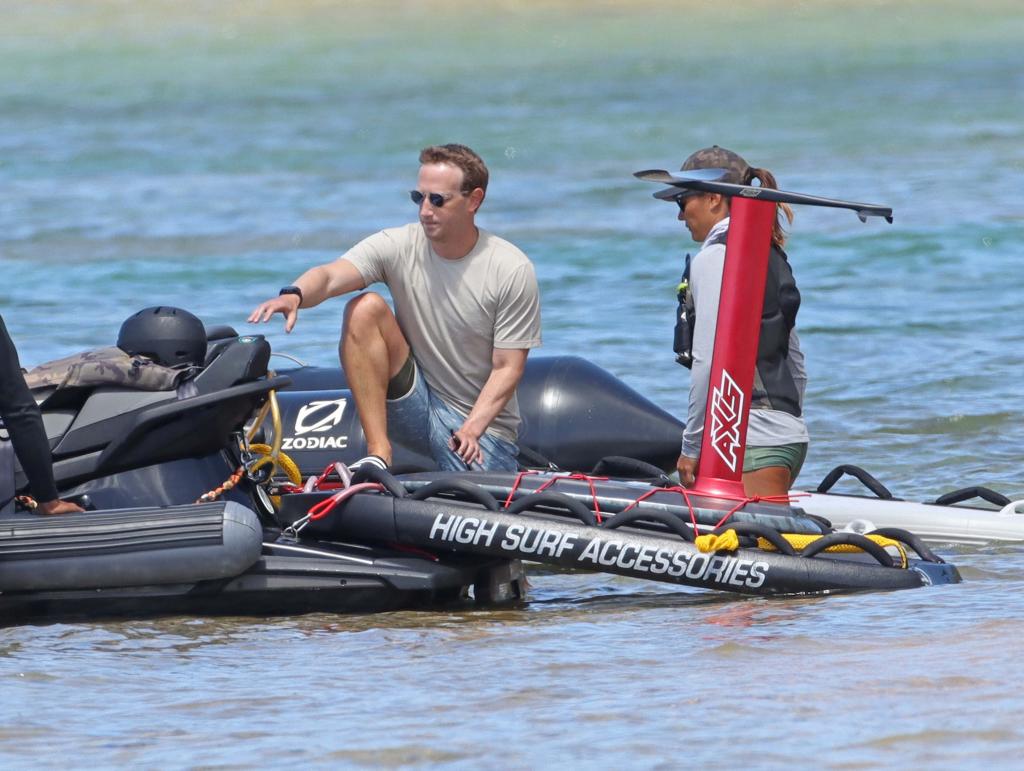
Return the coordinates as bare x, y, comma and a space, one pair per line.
752, 212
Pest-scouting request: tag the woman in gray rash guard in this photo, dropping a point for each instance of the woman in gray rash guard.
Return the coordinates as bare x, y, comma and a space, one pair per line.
777, 437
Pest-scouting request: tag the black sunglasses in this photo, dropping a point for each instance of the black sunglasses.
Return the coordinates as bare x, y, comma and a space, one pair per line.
437, 200
681, 199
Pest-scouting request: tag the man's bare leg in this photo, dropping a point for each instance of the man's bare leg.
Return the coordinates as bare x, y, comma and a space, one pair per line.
372, 351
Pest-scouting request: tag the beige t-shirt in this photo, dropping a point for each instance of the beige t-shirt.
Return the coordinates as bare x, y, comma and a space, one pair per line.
454, 313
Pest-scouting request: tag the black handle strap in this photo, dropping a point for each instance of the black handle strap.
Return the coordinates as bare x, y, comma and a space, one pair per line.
967, 493
876, 487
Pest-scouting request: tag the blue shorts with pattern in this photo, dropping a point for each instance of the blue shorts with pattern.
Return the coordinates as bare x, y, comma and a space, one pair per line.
424, 422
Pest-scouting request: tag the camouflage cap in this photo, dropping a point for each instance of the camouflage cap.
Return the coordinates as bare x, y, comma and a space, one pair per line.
713, 157
716, 157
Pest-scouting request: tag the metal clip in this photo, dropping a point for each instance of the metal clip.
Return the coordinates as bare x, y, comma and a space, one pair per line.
296, 527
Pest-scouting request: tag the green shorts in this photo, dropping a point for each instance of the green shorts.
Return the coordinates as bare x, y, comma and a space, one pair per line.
790, 456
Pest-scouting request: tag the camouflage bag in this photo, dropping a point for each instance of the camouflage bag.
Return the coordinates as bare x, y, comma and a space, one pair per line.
105, 367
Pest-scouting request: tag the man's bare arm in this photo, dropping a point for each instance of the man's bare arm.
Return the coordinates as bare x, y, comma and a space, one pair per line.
507, 367
316, 284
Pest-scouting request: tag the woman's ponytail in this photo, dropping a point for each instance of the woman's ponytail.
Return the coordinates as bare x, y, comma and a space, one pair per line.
767, 179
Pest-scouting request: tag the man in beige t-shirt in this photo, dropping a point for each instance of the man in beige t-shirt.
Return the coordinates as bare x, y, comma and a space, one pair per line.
441, 371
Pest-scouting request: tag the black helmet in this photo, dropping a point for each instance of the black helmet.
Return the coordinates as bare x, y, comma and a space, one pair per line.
169, 336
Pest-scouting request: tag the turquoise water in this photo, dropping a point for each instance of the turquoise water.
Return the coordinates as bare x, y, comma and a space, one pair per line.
203, 154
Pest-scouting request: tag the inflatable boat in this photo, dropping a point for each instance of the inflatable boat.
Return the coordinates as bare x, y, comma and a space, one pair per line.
187, 511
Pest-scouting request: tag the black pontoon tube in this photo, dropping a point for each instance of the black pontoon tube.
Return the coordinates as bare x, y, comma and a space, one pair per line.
615, 496
128, 547
448, 526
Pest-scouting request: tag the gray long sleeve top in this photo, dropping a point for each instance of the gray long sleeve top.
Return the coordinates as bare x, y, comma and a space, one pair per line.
766, 428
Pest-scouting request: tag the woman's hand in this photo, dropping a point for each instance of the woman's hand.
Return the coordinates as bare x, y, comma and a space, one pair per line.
687, 468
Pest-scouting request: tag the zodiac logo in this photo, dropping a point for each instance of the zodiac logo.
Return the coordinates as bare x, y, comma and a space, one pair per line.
325, 419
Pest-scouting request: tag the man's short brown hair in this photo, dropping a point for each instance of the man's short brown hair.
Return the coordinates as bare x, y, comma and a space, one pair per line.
474, 170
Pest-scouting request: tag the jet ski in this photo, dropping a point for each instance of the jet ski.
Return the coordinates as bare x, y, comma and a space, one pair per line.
177, 516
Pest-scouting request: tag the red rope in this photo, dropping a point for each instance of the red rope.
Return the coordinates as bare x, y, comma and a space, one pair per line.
784, 499
328, 469
741, 501
515, 486
734, 509
675, 489
415, 551
558, 477
324, 507
321, 482
579, 477
576, 476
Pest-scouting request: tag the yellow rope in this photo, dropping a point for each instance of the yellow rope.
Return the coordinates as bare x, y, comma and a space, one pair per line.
729, 541
260, 417
801, 541
283, 462
271, 406
271, 453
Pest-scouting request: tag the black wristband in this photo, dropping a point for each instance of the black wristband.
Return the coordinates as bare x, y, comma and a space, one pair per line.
291, 290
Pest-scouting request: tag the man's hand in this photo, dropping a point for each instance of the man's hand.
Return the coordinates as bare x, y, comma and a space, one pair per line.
57, 506
687, 468
507, 366
466, 444
287, 304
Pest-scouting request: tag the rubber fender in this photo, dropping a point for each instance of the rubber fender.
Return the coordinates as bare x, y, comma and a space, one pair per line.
129, 547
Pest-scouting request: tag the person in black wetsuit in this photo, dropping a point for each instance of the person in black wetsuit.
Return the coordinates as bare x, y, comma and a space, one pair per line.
24, 423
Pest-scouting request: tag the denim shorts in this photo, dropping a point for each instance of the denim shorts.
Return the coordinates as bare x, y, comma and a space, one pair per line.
422, 421
789, 456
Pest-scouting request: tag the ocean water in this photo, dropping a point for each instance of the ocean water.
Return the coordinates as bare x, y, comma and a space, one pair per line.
204, 153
